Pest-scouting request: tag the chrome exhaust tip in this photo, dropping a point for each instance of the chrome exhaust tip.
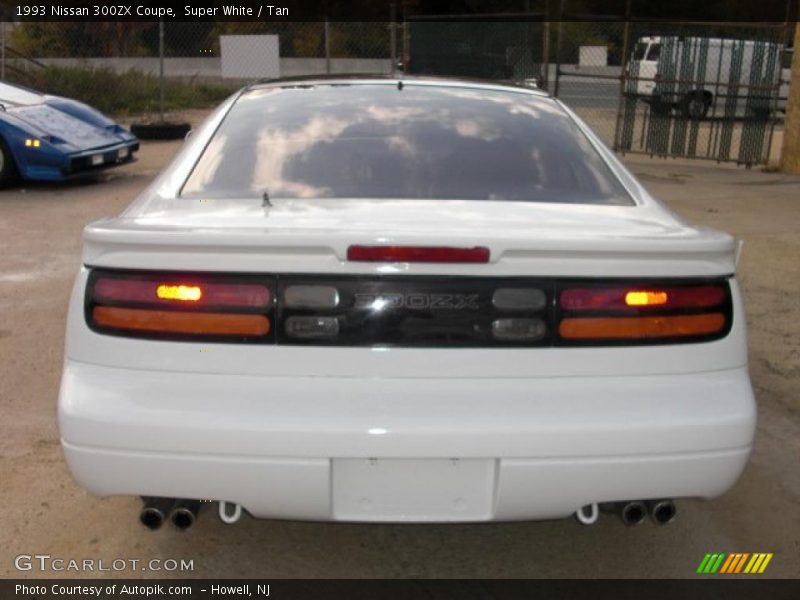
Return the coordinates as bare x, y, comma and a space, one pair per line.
155, 511
662, 511
632, 513
184, 515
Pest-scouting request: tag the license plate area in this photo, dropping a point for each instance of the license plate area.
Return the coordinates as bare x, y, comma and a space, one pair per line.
415, 490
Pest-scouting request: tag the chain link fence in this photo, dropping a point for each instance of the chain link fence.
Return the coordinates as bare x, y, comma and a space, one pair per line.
128, 67
715, 91
112, 40
588, 63
500, 50
151, 67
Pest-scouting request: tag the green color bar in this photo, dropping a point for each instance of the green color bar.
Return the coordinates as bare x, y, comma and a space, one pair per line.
718, 564
711, 563
703, 563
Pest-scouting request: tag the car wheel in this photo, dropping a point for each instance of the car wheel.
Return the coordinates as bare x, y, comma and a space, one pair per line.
695, 106
160, 131
8, 168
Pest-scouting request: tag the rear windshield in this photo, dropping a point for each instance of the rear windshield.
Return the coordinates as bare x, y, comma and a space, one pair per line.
380, 141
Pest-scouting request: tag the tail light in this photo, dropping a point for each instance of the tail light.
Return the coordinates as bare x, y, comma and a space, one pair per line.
180, 306
406, 311
644, 313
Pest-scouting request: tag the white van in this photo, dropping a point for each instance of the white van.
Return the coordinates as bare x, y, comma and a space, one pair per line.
706, 79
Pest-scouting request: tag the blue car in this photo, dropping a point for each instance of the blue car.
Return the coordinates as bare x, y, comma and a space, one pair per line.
48, 138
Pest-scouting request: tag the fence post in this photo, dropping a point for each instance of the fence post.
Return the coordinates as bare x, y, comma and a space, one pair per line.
3, 48
327, 47
623, 76
560, 34
405, 40
161, 69
545, 70
393, 37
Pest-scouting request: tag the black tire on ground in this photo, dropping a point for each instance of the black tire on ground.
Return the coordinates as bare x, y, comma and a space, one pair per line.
695, 105
8, 168
659, 108
760, 113
160, 131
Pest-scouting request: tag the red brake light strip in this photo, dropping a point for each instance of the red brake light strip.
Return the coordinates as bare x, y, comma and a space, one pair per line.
424, 254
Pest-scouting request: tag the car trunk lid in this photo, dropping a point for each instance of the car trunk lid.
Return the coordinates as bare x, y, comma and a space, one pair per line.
313, 236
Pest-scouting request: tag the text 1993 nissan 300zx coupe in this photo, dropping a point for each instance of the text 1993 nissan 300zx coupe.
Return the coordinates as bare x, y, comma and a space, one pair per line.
403, 301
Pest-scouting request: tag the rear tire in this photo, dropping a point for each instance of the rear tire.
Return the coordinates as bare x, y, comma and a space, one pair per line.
760, 113
659, 108
695, 105
8, 168
160, 131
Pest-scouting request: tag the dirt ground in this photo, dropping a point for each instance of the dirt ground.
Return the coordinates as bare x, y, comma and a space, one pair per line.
45, 512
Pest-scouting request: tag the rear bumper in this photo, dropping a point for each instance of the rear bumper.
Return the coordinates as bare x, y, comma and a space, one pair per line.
405, 449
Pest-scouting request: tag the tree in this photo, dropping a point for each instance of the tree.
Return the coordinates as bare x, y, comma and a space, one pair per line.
79, 39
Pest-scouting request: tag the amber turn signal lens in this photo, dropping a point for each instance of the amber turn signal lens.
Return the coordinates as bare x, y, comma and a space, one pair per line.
641, 327
191, 323
645, 298
186, 293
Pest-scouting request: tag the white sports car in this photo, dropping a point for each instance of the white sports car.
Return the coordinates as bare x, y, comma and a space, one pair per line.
365, 299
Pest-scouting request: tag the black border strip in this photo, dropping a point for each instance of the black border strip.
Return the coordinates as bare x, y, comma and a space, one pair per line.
700, 588
764, 11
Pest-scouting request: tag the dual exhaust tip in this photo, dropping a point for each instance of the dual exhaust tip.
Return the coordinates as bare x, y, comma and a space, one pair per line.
631, 512
181, 513
634, 512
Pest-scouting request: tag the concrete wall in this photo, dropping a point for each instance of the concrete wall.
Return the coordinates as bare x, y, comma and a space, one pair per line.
210, 67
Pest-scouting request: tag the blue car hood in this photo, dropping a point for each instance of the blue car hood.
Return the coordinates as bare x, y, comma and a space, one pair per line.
78, 134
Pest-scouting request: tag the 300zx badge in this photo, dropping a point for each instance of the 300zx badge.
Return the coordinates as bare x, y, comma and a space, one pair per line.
418, 301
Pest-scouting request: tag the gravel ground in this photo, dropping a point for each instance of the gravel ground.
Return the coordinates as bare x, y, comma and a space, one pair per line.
44, 512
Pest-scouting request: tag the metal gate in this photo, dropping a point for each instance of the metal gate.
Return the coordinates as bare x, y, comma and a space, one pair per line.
701, 96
